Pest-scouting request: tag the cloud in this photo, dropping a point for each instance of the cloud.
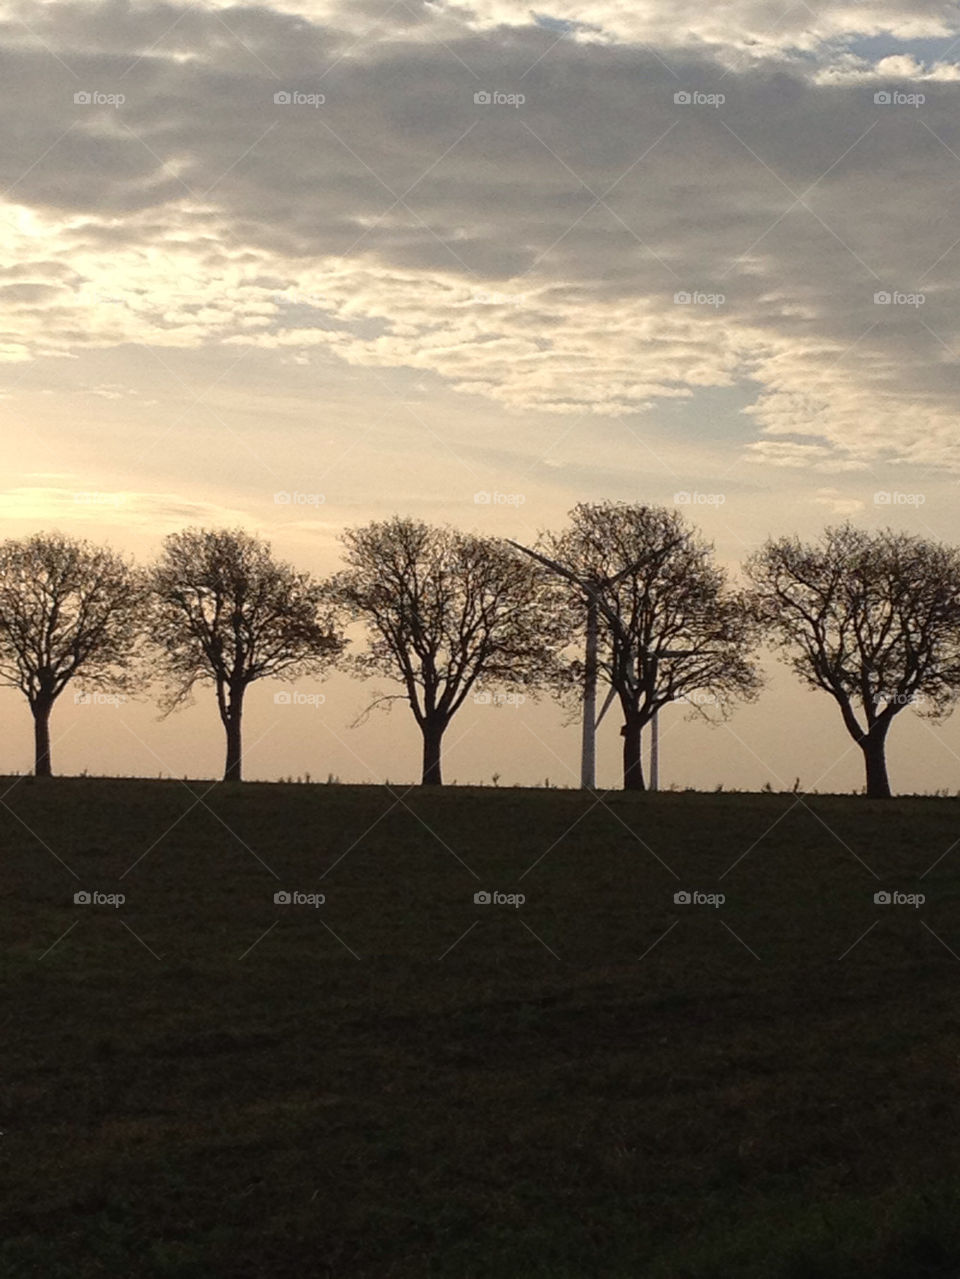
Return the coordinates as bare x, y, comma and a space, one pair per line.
738, 30
120, 507
528, 254
745, 27
836, 502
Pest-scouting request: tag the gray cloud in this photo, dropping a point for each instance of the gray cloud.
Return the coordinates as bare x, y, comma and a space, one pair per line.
184, 211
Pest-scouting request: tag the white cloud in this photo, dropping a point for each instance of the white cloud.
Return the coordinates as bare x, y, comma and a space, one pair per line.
836, 502
198, 213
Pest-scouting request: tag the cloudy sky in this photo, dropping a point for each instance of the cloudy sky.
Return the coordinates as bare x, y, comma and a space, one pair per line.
384, 257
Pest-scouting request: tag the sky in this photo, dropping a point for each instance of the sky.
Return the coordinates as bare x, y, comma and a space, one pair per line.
395, 257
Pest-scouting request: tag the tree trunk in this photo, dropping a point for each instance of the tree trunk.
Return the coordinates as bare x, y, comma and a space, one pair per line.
41, 737
632, 760
232, 770
874, 747
432, 739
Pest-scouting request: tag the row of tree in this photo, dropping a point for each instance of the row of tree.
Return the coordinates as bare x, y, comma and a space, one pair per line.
872, 619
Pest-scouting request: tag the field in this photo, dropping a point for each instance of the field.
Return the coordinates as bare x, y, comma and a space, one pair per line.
403, 1082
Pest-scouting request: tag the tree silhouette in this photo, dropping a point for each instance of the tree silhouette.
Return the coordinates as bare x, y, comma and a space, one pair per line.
447, 612
873, 619
669, 624
226, 612
66, 607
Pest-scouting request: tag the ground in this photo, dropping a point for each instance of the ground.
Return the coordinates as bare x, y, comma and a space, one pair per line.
403, 1082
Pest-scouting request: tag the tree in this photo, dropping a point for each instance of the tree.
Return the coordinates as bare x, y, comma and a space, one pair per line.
447, 612
226, 612
669, 625
873, 619
66, 607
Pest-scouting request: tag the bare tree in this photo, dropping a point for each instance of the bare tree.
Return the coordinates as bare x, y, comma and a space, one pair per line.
873, 619
447, 611
226, 612
66, 608
669, 625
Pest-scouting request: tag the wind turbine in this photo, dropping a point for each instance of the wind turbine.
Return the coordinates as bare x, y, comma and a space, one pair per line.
655, 721
595, 605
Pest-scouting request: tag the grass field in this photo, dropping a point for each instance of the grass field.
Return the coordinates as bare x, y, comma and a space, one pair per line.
403, 1082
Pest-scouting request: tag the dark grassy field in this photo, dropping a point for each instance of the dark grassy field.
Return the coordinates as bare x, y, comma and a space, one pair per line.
401, 1082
